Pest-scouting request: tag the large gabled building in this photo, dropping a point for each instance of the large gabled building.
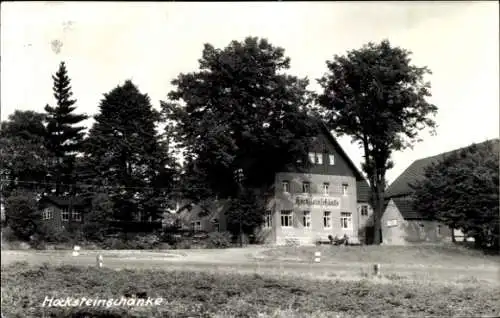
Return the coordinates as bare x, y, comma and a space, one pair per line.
330, 198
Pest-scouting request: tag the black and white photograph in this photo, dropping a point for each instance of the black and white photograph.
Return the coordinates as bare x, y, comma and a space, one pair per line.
261, 159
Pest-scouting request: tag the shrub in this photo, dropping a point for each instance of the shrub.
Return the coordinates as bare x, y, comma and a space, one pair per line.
22, 214
219, 240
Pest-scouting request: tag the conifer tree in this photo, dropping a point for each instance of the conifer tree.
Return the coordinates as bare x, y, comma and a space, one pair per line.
64, 137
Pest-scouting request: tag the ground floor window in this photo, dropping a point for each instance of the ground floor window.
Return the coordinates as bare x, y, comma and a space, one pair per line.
47, 214
345, 220
196, 226
286, 218
76, 215
421, 229
327, 220
307, 219
65, 214
364, 210
269, 219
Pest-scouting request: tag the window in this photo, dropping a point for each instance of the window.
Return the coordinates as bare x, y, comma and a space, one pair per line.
392, 223
345, 220
327, 220
306, 187
364, 210
65, 214
331, 159
319, 158
312, 157
422, 229
326, 186
216, 225
196, 225
286, 186
344, 189
47, 214
307, 219
286, 218
76, 215
269, 219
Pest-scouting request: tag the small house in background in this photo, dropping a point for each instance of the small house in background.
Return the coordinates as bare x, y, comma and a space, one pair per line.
208, 217
60, 211
401, 224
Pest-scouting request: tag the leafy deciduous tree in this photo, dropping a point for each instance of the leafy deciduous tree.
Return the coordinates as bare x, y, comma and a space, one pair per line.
240, 110
462, 192
376, 96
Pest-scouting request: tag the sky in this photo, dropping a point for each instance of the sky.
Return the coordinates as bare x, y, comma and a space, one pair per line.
105, 43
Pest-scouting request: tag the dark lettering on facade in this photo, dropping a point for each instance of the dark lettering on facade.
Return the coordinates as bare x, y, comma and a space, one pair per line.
317, 201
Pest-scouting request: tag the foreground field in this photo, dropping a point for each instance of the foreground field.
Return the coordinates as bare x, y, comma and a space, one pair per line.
446, 255
196, 294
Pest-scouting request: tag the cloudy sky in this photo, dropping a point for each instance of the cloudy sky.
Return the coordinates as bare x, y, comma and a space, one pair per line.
105, 43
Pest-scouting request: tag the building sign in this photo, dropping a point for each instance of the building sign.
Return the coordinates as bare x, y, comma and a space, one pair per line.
317, 201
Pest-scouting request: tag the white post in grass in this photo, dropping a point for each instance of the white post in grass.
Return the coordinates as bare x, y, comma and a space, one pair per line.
76, 250
376, 270
317, 257
99, 260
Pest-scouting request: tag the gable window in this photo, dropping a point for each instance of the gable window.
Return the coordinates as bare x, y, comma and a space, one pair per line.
65, 214
286, 218
327, 220
286, 186
345, 220
307, 219
331, 160
306, 187
196, 226
344, 189
319, 158
364, 210
326, 187
269, 219
76, 215
47, 214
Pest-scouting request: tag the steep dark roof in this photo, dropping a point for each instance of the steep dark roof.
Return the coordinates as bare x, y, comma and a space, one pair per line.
416, 170
64, 201
406, 209
333, 140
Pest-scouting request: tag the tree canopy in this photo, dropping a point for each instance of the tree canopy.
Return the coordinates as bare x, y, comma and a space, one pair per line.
461, 190
124, 151
24, 159
240, 110
375, 95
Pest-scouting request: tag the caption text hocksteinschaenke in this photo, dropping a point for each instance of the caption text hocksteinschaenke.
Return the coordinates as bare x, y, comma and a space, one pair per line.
100, 302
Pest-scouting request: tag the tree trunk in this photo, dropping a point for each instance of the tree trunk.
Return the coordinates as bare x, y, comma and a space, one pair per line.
453, 238
378, 210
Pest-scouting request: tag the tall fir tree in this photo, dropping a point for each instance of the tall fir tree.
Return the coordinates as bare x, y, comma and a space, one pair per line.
64, 137
126, 154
